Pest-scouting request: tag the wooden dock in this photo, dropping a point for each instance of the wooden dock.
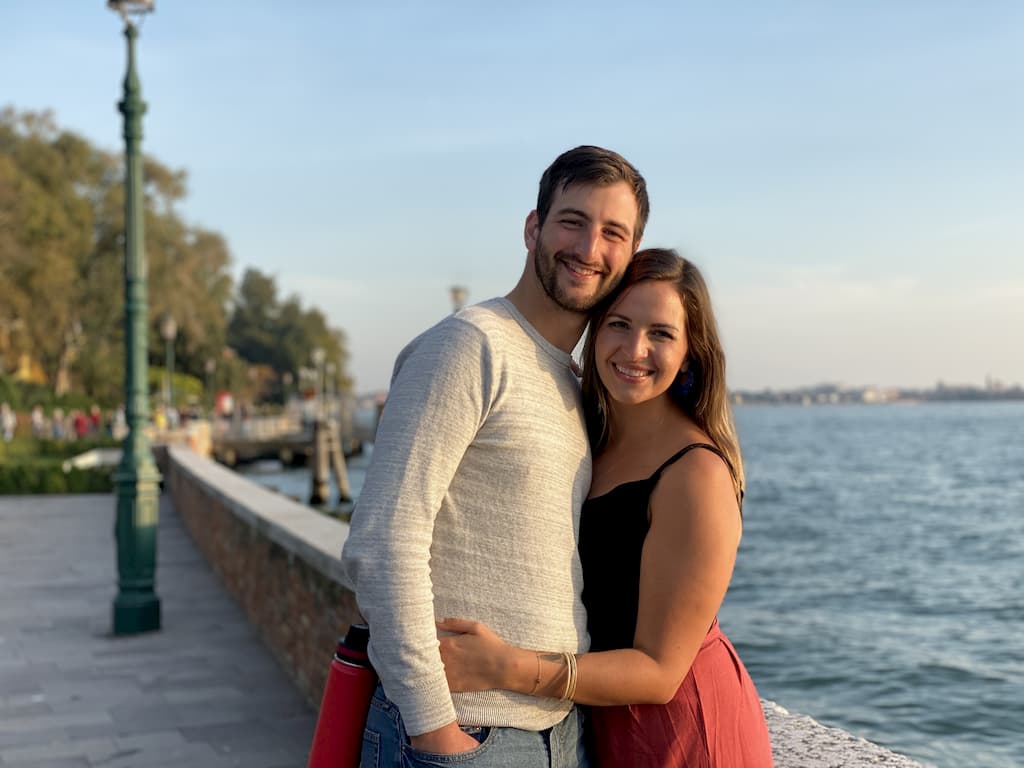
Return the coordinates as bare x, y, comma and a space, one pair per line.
284, 438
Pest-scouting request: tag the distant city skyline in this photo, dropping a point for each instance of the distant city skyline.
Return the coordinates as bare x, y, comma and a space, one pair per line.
847, 174
826, 393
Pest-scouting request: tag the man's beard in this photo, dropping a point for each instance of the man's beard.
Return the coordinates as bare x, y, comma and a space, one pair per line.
545, 264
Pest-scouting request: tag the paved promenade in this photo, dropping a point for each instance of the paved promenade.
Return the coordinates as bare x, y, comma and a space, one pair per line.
202, 692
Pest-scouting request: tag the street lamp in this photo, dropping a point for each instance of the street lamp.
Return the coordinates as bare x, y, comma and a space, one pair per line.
329, 388
459, 294
169, 330
319, 478
286, 381
318, 355
210, 367
136, 607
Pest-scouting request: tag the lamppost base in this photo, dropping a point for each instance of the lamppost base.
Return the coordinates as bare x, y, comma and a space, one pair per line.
134, 614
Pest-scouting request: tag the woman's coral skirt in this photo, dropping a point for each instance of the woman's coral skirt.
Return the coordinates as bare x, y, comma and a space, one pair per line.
715, 720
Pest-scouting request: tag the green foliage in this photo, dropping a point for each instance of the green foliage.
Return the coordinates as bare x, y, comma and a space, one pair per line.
49, 477
187, 388
278, 334
30, 466
28, 450
62, 211
25, 395
62, 256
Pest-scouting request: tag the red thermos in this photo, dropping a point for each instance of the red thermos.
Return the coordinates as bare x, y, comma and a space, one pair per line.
350, 684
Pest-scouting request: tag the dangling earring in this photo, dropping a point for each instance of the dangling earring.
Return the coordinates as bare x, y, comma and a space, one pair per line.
682, 386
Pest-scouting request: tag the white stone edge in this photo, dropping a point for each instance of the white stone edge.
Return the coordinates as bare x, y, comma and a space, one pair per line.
315, 538
799, 741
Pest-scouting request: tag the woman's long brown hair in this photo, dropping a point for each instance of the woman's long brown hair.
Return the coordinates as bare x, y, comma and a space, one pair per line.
707, 403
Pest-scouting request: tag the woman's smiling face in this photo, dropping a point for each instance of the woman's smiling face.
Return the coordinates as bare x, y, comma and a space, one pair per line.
641, 344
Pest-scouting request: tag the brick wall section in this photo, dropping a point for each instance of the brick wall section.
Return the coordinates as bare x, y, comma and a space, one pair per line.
298, 609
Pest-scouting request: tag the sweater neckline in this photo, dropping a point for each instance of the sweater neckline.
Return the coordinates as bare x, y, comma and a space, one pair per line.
560, 356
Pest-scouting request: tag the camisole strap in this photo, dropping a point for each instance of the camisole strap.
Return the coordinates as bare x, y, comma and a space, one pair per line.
686, 450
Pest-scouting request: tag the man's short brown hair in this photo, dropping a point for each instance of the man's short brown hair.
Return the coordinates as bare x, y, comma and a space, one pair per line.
594, 166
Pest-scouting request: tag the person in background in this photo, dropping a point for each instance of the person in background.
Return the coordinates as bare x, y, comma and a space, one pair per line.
480, 467
95, 420
80, 423
60, 427
658, 540
38, 422
8, 422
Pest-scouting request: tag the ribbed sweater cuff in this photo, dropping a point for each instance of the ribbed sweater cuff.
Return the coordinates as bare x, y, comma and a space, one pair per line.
424, 706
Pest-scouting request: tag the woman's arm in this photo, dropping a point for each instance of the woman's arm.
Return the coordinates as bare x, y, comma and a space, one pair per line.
686, 565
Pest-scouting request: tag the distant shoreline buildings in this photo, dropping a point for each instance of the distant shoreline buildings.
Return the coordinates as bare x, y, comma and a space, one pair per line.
828, 394
833, 394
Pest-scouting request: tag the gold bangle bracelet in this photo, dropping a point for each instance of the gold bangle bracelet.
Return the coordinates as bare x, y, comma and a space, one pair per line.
536, 683
573, 676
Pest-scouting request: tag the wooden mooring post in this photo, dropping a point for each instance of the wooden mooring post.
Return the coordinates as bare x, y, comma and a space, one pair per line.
328, 454
338, 463
320, 491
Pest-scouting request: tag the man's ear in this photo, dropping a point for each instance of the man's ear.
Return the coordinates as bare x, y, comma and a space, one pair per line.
531, 230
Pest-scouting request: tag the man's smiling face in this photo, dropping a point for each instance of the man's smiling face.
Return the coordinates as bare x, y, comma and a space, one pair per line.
585, 243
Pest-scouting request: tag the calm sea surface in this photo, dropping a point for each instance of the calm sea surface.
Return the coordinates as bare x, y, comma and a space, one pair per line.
880, 583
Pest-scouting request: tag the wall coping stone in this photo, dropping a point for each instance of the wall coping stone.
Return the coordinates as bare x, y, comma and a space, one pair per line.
315, 538
799, 741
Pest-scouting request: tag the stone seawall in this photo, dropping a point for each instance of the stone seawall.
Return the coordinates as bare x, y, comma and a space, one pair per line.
279, 559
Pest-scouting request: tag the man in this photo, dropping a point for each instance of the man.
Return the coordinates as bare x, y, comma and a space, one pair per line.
481, 465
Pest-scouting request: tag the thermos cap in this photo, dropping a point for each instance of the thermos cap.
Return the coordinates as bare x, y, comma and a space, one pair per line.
352, 646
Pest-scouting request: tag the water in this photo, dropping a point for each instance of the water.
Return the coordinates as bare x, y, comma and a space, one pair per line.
296, 483
880, 584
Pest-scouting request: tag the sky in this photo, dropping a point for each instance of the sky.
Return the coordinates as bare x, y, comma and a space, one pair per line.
849, 174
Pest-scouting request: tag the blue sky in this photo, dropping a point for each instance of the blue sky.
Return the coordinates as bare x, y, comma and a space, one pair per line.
849, 174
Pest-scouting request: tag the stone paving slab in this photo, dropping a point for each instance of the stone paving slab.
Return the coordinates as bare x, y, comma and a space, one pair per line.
202, 692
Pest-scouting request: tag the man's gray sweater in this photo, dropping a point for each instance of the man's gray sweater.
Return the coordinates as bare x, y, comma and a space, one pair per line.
471, 509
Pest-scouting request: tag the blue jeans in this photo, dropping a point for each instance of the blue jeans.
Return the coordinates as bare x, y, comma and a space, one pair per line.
386, 744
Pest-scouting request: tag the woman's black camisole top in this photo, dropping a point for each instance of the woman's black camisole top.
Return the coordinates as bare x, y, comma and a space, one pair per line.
613, 527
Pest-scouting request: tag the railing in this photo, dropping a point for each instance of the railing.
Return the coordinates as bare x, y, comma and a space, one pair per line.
258, 427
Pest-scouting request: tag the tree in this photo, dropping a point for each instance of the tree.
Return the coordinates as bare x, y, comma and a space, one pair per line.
47, 224
253, 324
281, 335
62, 273
62, 259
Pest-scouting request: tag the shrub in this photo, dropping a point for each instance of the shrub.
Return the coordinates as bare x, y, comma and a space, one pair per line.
49, 477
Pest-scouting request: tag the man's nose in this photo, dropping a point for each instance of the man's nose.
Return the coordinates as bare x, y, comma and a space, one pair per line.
590, 244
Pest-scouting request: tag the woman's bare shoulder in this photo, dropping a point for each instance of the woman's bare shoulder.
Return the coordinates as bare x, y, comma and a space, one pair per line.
699, 480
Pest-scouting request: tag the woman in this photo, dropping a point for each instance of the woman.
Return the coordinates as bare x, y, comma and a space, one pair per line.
658, 540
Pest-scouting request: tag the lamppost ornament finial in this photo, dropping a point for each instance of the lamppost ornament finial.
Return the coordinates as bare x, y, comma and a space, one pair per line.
459, 295
130, 10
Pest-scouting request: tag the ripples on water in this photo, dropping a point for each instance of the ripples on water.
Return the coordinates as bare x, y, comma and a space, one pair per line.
880, 583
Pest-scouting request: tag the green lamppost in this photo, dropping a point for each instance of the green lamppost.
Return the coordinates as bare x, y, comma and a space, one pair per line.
136, 607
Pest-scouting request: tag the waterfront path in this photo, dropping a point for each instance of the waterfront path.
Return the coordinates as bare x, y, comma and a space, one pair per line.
202, 692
